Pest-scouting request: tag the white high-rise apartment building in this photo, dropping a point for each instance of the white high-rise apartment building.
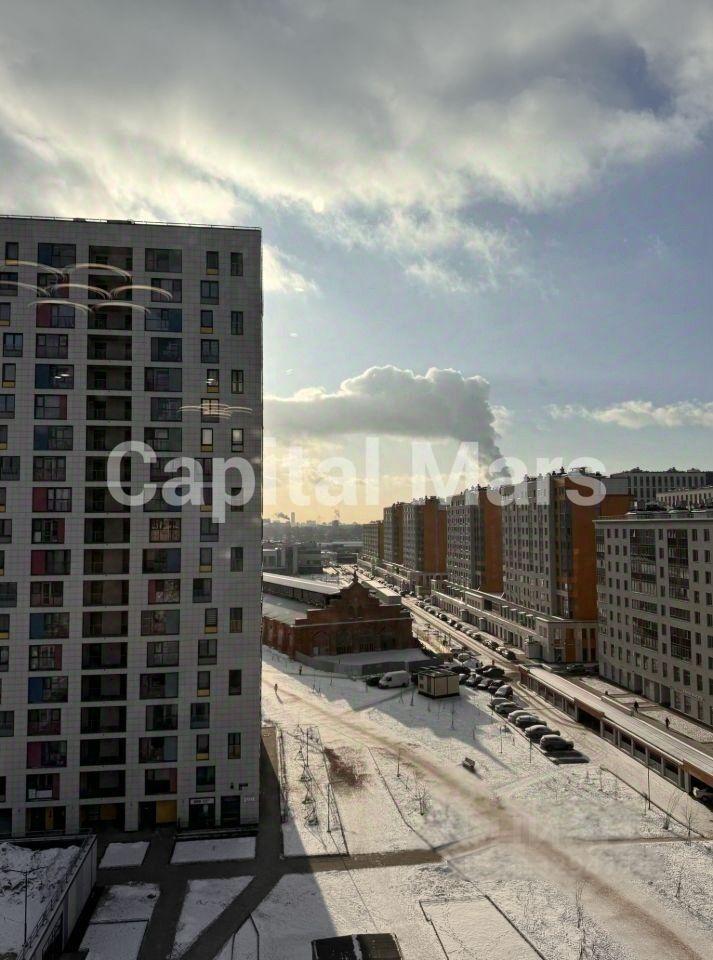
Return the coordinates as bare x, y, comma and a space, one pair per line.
129, 635
646, 485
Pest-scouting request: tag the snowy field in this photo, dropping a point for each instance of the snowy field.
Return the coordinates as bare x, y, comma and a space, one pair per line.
204, 851
204, 901
124, 855
528, 833
119, 922
47, 870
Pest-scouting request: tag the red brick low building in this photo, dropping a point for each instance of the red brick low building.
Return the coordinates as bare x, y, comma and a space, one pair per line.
352, 621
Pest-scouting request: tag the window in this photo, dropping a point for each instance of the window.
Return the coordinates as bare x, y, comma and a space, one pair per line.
208, 651
205, 559
235, 683
210, 410
202, 746
4, 659
54, 376
166, 349
5, 314
236, 559
46, 593
206, 321
53, 438
157, 622
203, 683
47, 531
164, 591
212, 262
52, 499
205, 779
233, 746
47, 722
206, 440
164, 439
164, 320
8, 284
50, 563
236, 264
162, 653
210, 619
45, 657
210, 351
163, 530
49, 468
161, 780
237, 324
7, 723
237, 444
3, 446
162, 560
162, 717
8, 594
200, 716
56, 254
12, 345
158, 686
158, 749
163, 379
47, 689
202, 590
12, 251
209, 530
55, 315
210, 291
237, 381
49, 626
47, 753
166, 289
9, 468
163, 260
50, 407
166, 409
9, 375
7, 401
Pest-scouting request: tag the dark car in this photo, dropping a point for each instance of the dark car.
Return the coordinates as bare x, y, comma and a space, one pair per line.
527, 720
552, 743
459, 668
473, 680
538, 731
509, 655
373, 681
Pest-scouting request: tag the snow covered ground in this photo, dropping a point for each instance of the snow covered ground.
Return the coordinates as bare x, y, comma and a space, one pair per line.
204, 901
528, 833
124, 854
47, 869
242, 945
203, 851
119, 922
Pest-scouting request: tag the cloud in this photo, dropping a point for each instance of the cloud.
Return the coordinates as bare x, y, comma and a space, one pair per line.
348, 115
636, 414
280, 273
389, 401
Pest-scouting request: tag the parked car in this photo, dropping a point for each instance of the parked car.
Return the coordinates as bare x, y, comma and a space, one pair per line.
552, 743
505, 690
521, 711
373, 681
473, 680
496, 701
395, 678
483, 683
526, 720
463, 679
537, 731
463, 657
494, 686
493, 672
509, 655
505, 709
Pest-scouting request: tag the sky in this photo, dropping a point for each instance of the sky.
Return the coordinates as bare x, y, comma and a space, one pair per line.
483, 222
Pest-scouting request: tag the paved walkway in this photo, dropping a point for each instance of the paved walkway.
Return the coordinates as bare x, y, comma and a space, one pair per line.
267, 869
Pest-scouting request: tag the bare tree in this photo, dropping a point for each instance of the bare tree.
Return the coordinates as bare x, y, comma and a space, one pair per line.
689, 815
673, 801
424, 799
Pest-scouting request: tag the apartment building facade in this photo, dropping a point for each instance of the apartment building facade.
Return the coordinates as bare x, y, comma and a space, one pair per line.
546, 604
393, 533
655, 590
129, 635
696, 498
474, 541
372, 542
646, 485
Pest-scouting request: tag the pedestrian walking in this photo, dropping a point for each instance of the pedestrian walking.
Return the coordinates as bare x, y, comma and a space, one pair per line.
667, 722
636, 705
275, 689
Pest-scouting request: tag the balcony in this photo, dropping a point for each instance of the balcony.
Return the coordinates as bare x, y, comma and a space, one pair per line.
108, 378
95, 469
107, 531
108, 408
106, 562
104, 783
104, 686
101, 500
109, 348
106, 593
109, 624
103, 720
110, 318
102, 752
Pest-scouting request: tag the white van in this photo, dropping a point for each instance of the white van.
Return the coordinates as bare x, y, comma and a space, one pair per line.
396, 678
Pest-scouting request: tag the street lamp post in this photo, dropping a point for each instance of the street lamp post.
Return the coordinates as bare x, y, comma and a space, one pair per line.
25, 874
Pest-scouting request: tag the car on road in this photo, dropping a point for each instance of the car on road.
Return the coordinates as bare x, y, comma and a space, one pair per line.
373, 681
552, 743
493, 672
526, 720
505, 709
509, 654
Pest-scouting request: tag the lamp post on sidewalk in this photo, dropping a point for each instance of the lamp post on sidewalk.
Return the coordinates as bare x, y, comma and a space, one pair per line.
25, 874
